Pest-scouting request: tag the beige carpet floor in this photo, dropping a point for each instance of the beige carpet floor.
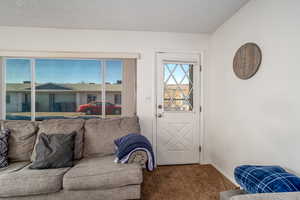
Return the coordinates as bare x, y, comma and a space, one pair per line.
184, 182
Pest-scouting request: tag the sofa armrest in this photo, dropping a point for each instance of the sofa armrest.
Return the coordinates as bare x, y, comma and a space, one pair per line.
139, 157
268, 196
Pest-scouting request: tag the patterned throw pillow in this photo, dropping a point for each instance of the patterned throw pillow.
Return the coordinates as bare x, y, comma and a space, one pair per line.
266, 179
4, 147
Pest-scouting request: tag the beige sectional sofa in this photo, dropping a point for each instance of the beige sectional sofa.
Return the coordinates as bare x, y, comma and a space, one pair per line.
94, 176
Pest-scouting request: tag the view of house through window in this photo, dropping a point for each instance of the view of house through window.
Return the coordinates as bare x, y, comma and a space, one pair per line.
18, 89
64, 88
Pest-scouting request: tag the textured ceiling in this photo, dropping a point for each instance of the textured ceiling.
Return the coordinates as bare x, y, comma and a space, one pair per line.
186, 16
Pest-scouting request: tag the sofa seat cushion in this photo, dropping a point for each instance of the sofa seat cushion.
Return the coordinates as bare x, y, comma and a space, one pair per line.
25, 181
13, 167
101, 173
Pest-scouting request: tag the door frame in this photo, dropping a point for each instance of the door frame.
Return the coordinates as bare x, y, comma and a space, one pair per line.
201, 98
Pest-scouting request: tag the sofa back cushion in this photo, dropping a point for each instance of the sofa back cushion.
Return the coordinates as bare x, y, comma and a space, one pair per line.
21, 139
101, 133
63, 126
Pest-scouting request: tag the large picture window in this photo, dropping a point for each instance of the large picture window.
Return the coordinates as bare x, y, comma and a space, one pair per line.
41, 89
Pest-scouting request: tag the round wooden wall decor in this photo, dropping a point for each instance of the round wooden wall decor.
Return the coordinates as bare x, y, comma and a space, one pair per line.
247, 61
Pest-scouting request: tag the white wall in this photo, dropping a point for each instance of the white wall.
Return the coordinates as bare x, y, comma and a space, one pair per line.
255, 121
145, 43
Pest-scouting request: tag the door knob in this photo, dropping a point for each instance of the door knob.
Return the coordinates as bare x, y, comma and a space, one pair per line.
159, 115
159, 106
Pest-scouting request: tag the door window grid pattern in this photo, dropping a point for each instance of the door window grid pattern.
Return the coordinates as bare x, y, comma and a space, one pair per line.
178, 87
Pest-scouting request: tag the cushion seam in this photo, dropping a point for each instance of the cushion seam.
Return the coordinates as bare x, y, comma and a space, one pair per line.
73, 177
30, 193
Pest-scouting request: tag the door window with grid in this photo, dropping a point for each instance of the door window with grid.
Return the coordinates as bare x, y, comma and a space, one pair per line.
178, 87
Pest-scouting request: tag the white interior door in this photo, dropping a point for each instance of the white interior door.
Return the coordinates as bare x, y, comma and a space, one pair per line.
178, 109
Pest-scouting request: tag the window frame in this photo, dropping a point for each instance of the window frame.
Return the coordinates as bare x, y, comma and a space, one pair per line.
32, 60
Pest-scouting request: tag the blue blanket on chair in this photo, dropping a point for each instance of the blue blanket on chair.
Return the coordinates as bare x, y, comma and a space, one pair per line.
266, 179
128, 144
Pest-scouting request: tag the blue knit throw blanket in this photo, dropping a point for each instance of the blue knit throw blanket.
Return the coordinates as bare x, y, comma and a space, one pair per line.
128, 144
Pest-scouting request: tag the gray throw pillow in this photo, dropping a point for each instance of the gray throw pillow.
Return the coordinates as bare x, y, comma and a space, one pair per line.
4, 147
54, 151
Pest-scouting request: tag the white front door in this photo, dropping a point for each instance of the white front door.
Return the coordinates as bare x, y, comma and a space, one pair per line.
178, 108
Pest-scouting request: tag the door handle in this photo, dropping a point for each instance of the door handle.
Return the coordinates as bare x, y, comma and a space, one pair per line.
159, 115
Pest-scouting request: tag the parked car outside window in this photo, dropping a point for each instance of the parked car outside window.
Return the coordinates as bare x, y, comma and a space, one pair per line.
95, 108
